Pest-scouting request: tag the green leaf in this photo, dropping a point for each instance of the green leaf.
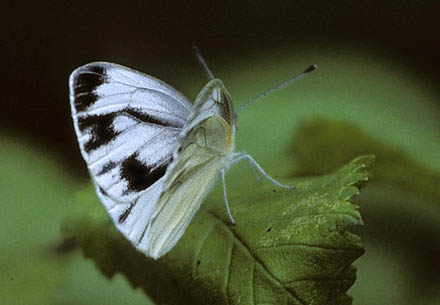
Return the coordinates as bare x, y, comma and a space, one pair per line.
288, 247
322, 145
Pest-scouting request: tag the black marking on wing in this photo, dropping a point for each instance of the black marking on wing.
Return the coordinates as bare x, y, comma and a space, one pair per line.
84, 84
103, 192
149, 119
85, 100
101, 127
142, 236
139, 175
127, 212
108, 167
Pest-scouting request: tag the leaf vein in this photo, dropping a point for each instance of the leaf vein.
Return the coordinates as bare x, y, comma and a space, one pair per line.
229, 271
253, 283
197, 256
306, 246
353, 217
256, 259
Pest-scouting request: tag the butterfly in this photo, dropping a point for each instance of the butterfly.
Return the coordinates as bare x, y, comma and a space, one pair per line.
152, 155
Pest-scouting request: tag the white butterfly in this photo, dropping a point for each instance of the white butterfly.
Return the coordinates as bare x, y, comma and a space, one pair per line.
152, 155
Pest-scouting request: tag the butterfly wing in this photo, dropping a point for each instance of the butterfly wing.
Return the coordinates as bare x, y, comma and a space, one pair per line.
127, 124
206, 148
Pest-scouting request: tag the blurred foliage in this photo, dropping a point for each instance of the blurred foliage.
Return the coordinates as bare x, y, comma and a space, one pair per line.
33, 195
320, 146
288, 247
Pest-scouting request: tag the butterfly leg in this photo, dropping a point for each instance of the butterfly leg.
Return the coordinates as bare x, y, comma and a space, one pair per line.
241, 156
237, 157
226, 197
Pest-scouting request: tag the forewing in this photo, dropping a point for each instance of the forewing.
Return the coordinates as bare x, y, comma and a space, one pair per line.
127, 125
191, 175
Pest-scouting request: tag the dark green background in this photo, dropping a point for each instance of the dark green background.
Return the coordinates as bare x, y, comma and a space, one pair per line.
378, 69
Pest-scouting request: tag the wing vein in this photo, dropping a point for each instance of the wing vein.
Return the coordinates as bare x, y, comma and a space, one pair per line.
257, 261
228, 275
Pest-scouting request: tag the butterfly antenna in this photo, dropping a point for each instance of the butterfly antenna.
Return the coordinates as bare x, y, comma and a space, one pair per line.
279, 87
203, 62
